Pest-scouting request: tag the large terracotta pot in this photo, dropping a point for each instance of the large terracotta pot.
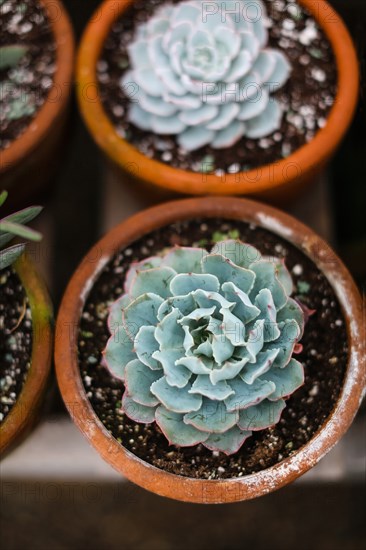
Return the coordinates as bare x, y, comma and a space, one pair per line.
279, 181
24, 413
31, 159
160, 481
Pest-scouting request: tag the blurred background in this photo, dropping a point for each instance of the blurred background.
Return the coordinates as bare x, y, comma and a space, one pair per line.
58, 494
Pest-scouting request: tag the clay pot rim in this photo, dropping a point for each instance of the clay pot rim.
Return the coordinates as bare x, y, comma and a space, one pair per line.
29, 399
51, 109
134, 468
269, 177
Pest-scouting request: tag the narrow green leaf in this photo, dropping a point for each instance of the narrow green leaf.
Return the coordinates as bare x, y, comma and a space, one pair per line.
8, 256
20, 231
24, 216
3, 197
5, 239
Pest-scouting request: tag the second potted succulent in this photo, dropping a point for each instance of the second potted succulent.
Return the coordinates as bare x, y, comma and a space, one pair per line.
218, 97
36, 70
26, 335
215, 351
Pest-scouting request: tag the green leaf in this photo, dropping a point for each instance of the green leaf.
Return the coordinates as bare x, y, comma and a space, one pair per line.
185, 260
264, 361
286, 380
8, 256
247, 395
136, 411
5, 239
176, 431
225, 270
142, 312
212, 417
177, 375
11, 55
177, 400
138, 381
228, 442
260, 417
185, 283
20, 231
119, 352
145, 345
3, 197
23, 216
266, 277
169, 333
203, 386
239, 253
156, 280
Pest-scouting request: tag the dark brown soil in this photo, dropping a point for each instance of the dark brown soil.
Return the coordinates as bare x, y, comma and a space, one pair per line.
15, 340
25, 22
324, 358
307, 96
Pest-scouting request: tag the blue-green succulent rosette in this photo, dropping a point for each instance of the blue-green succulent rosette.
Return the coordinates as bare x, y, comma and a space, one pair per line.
18, 104
204, 343
203, 71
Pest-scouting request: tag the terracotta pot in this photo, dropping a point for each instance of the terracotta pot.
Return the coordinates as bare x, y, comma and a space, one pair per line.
160, 481
278, 181
25, 411
29, 162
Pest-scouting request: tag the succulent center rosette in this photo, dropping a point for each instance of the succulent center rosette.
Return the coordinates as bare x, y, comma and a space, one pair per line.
204, 342
202, 71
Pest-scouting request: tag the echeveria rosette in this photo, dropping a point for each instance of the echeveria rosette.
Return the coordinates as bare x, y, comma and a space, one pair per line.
204, 342
206, 77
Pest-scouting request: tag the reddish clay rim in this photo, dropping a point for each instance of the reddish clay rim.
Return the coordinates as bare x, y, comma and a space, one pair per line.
29, 400
59, 94
160, 481
304, 162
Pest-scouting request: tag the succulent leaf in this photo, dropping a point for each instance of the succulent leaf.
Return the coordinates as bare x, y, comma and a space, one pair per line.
267, 413
210, 358
176, 431
196, 72
119, 352
11, 55
137, 412
228, 442
9, 255
145, 346
213, 417
139, 380
13, 226
179, 400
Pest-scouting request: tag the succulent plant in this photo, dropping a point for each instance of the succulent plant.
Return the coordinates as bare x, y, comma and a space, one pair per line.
11, 55
205, 76
13, 226
204, 342
19, 104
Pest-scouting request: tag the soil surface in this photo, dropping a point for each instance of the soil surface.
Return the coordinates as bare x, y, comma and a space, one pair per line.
324, 358
15, 339
306, 98
24, 88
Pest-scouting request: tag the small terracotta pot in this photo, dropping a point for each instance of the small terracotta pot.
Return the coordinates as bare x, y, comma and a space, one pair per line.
28, 163
24, 413
278, 181
160, 481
